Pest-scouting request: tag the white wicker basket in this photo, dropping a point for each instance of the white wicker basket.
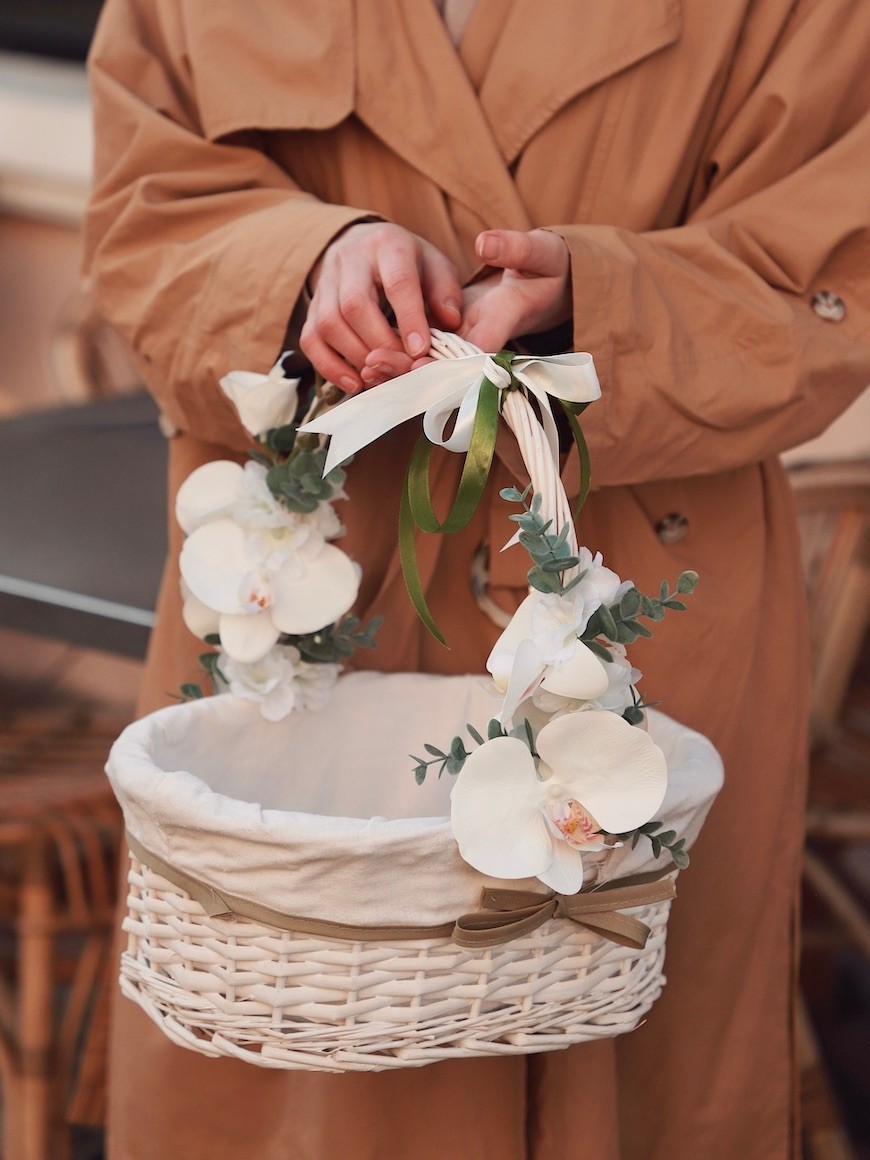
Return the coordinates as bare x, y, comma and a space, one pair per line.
338, 832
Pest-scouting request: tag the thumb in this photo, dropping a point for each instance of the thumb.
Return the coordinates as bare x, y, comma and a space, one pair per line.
539, 252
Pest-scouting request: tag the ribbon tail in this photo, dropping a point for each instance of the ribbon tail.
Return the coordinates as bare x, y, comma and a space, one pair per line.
548, 422
408, 560
624, 929
363, 418
583, 453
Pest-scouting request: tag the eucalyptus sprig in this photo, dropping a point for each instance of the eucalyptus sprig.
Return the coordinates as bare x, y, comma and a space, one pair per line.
453, 760
550, 553
298, 481
336, 642
620, 622
659, 840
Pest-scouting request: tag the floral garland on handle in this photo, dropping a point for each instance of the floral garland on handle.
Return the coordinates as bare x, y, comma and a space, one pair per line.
566, 766
262, 581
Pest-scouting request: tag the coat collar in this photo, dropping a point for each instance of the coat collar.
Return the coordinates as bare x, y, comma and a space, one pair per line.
414, 93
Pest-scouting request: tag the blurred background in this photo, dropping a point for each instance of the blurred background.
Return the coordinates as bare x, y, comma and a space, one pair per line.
81, 544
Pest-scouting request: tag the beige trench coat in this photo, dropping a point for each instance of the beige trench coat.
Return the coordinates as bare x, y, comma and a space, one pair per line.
707, 166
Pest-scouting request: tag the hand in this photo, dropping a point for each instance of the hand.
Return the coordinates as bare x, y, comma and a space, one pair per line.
532, 293
367, 266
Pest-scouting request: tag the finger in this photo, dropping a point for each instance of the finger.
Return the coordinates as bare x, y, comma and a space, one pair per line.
491, 322
327, 363
373, 378
538, 252
359, 304
390, 362
327, 320
400, 278
441, 287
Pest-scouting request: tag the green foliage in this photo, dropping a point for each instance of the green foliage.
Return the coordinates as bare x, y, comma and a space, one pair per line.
453, 760
335, 643
619, 622
190, 691
550, 553
281, 439
660, 840
210, 661
635, 714
298, 482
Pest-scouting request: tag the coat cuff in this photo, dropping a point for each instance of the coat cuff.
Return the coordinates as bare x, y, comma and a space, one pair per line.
241, 318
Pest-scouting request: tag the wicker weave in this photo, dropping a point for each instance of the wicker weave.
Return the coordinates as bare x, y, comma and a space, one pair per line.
283, 1000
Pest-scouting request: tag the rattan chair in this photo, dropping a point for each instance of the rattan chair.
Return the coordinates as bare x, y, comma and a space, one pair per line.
59, 835
833, 509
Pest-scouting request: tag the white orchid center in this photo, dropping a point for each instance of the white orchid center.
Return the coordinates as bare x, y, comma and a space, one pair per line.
570, 821
256, 592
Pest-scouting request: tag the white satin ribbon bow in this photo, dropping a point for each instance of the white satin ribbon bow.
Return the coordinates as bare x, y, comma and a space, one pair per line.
437, 389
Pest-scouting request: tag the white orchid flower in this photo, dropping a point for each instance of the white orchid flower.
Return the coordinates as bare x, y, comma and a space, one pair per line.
596, 775
208, 492
539, 647
258, 594
201, 620
262, 401
269, 681
224, 488
280, 681
621, 679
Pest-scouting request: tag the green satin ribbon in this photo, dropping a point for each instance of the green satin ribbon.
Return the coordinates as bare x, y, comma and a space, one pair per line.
416, 510
572, 411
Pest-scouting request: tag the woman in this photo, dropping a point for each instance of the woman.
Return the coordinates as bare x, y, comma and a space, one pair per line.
696, 175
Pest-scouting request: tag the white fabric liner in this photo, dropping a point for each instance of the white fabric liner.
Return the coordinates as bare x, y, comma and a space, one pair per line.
319, 815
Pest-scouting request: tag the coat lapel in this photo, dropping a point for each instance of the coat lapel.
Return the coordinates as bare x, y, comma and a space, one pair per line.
550, 53
414, 94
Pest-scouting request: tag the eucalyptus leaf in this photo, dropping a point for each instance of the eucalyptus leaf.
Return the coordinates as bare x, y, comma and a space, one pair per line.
687, 582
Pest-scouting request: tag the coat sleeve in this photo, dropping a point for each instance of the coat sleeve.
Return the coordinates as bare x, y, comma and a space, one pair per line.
710, 352
196, 250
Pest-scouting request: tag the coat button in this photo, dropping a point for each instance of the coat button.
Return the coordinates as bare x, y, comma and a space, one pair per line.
671, 528
829, 306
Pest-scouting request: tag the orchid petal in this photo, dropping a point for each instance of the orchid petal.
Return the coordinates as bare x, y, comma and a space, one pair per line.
207, 493
565, 872
278, 703
248, 637
519, 628
581, 677
614, 770
325, 589
201, 620
214, 561
495, 811
525, 675
262, 401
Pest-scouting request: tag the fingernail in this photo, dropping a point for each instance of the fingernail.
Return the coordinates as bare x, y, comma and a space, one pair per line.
348, 385
489, 247
416, 344
452, 306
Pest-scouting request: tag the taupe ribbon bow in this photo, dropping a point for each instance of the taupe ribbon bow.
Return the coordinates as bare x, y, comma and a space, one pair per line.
508, 914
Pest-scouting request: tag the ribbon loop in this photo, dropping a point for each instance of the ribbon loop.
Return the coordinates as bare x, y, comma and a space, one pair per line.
509, 914
474, 386
498, 375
